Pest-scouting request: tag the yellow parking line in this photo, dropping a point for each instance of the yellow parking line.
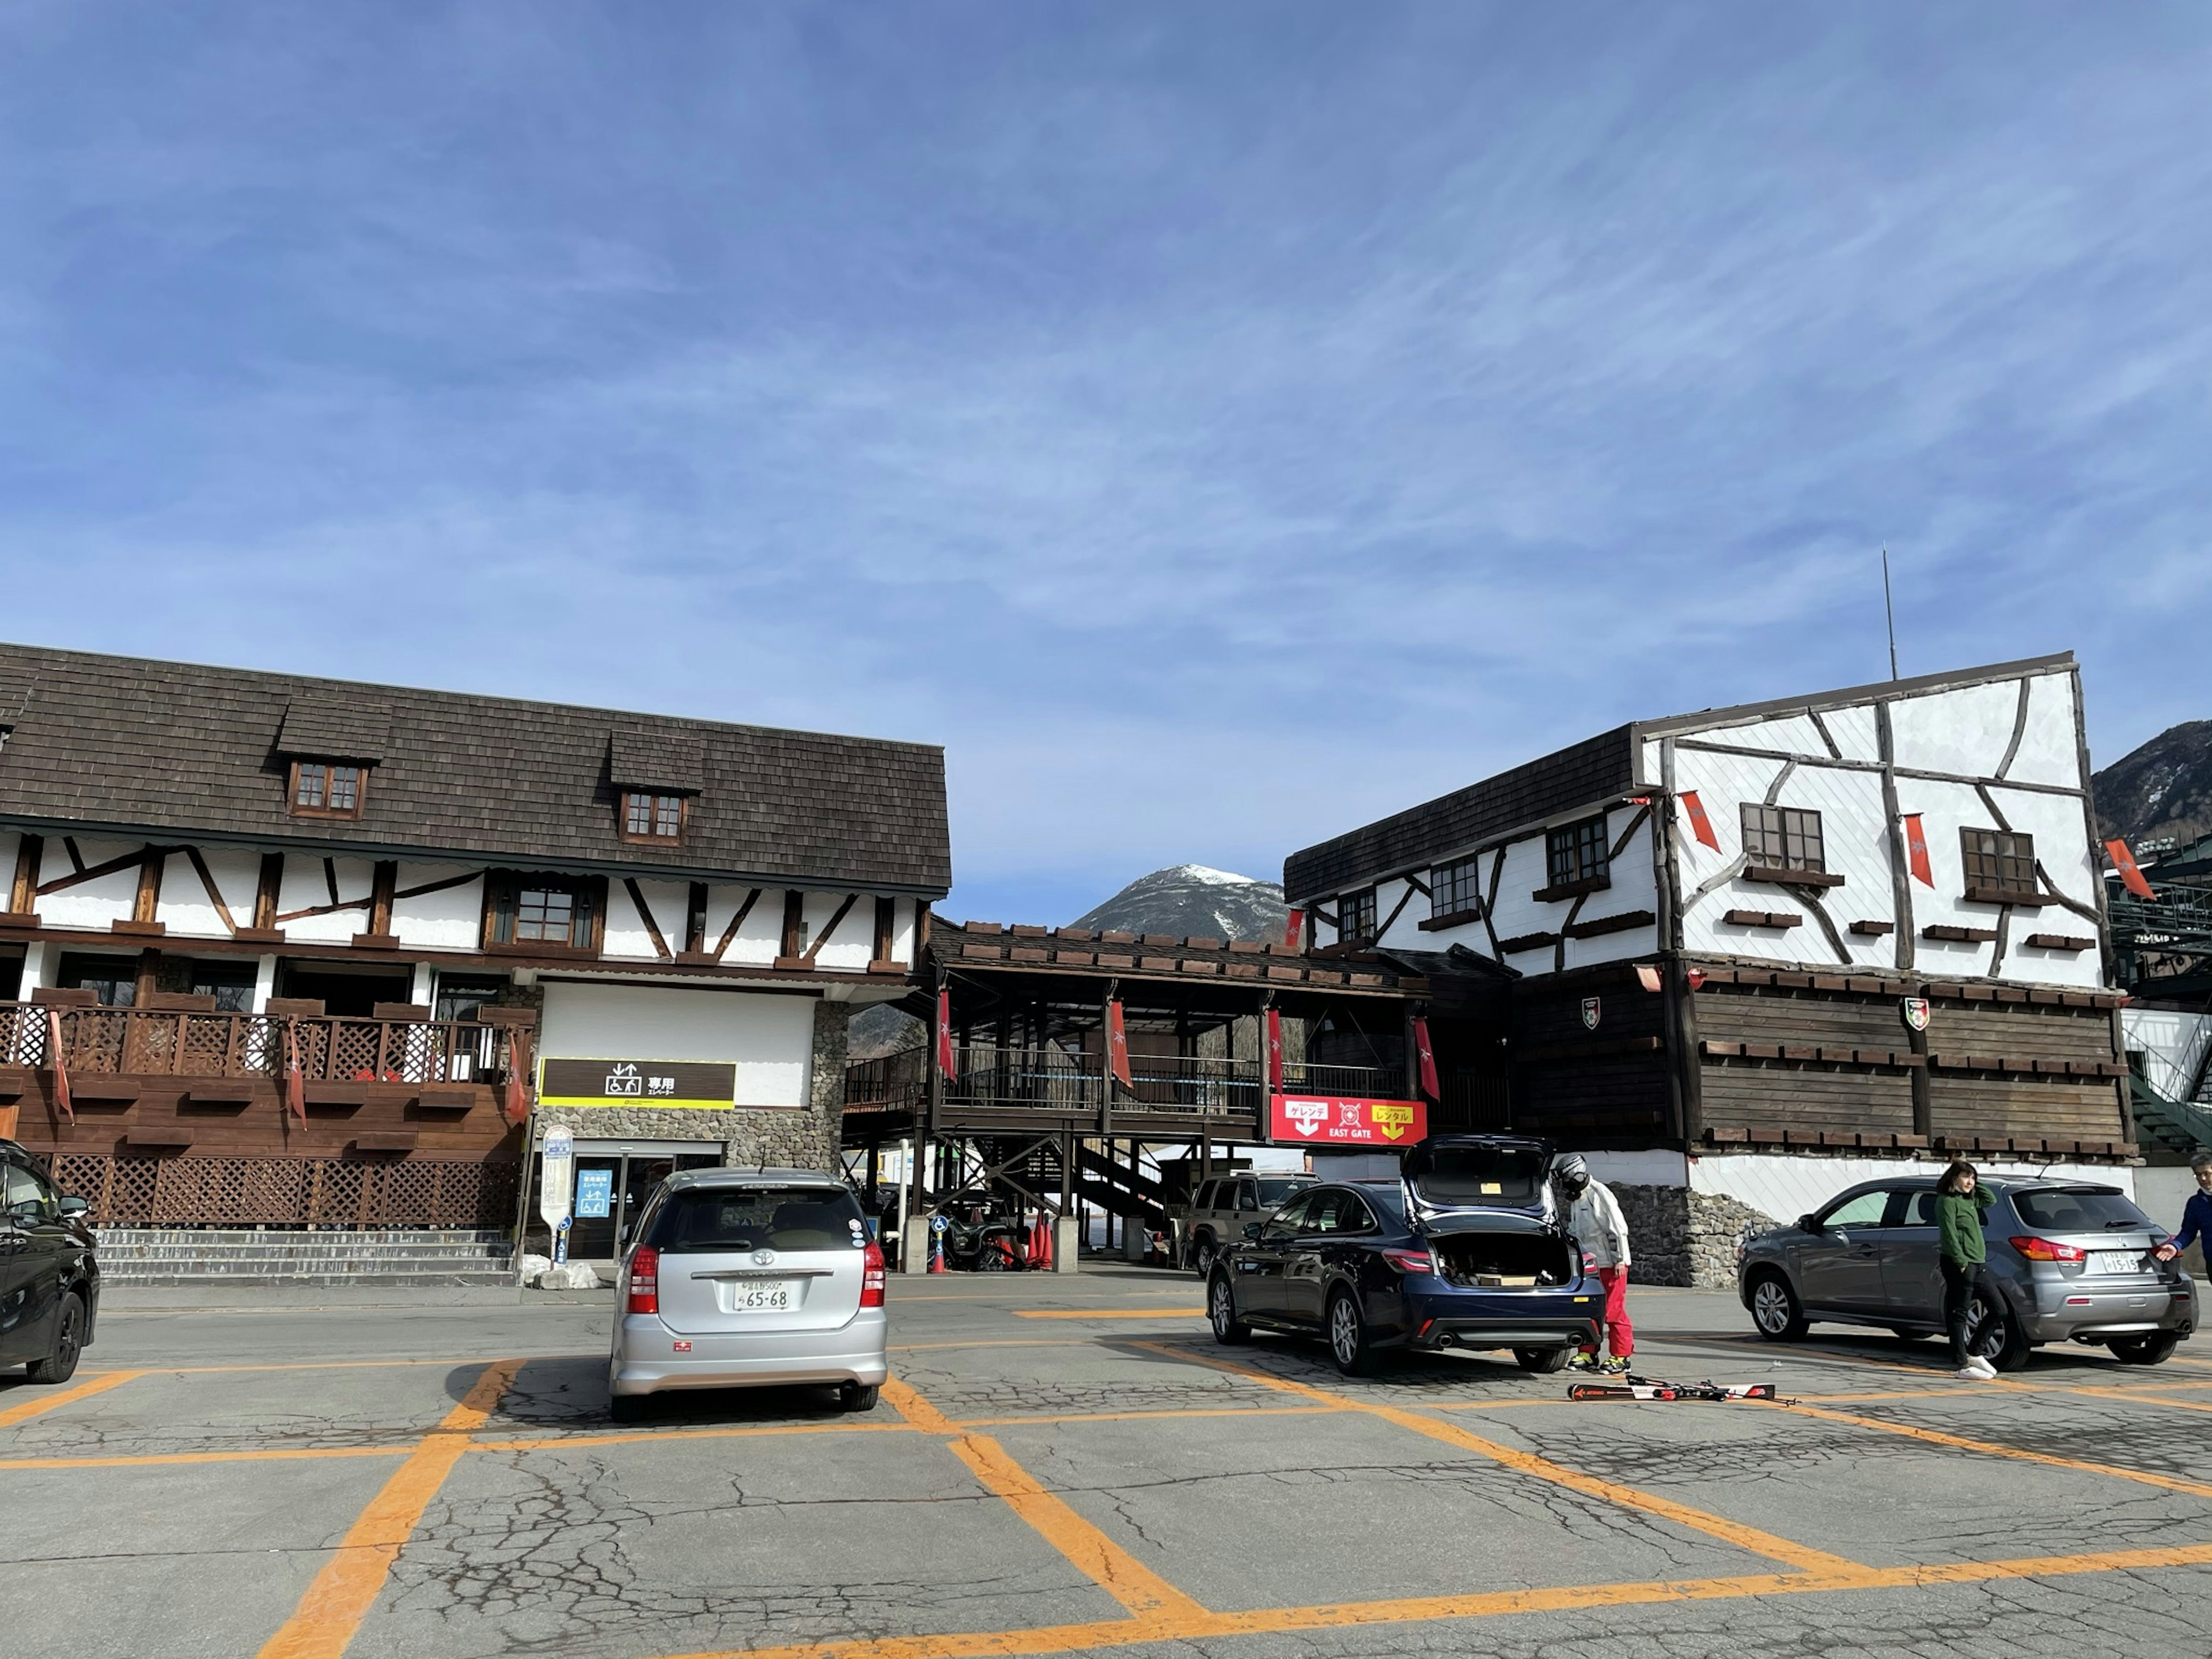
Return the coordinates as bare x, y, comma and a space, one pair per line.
1003, 1342
324, 1622
1964, 1442
46, 1402
1767, 1544
1203, 1626
283, 1454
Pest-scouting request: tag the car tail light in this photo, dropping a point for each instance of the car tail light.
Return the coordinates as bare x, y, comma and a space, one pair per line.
872, 1276
1410, 1261
645, 1279
2042, 1250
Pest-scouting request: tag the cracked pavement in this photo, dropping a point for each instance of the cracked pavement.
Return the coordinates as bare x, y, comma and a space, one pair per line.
346, 1478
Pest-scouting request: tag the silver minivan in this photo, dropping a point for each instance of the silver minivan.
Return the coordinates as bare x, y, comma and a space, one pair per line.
742, 1277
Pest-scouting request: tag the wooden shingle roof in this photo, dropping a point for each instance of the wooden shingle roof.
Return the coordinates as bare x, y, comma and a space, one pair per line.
91, 743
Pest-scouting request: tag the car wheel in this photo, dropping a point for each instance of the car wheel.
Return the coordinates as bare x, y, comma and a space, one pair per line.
60, 1364
1996, 1336
1202, 1254
857, 1396
1221, 1310
1775, 1309
1542, 1361
2151, 1350
1348, 1345
627, 1407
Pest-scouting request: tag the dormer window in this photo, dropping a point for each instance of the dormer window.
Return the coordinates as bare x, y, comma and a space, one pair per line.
653, 817
326, 789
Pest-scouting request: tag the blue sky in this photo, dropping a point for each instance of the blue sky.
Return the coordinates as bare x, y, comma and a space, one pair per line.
1216, 425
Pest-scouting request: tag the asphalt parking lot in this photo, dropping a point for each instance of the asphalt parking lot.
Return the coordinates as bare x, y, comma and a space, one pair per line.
1070, 1465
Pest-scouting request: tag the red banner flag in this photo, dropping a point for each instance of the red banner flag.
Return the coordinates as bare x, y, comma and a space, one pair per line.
2131, 877
1916, 851
295, 1088
944, 1034
1700, 825
1274, 1051
1294, 931
1428, 1060
516, 1109
55, 1059
1117, 1045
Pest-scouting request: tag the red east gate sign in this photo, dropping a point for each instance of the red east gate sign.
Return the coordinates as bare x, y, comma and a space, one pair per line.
1335, 1120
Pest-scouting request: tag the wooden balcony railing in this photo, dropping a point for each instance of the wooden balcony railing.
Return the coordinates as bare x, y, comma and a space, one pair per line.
161, 1043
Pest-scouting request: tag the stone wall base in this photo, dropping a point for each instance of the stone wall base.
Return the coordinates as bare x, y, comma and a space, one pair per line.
1677, 1236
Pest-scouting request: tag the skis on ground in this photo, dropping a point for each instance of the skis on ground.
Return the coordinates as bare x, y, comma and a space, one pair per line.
1651, 1388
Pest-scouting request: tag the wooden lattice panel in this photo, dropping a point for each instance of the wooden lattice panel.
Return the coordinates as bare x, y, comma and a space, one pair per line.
289, 1191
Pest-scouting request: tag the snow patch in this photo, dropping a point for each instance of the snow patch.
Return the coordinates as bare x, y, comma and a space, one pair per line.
1206, 873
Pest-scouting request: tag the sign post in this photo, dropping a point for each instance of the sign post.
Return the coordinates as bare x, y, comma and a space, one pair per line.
557, 1184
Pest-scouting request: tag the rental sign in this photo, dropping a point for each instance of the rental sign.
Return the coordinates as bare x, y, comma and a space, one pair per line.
1333, 1120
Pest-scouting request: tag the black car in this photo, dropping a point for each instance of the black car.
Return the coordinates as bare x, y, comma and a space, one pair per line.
1465, 1251
49, 1277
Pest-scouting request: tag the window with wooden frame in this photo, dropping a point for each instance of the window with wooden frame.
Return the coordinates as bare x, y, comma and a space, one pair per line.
564, 911
653, 817
1355, 917
1783, 838
1576, 858
1455, 889
2000, 867
327, 789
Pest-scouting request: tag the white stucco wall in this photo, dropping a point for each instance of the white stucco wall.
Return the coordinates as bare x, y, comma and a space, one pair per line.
185, 908
450, 919
305, 888
90, 903
770, 1038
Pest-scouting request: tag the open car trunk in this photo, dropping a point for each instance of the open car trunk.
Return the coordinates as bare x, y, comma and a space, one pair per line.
1487, 1259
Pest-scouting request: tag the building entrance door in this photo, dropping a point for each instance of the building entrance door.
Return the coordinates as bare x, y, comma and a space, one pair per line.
614, 1179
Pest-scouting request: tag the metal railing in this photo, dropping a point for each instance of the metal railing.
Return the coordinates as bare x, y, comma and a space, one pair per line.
1055, 1079
163, 1042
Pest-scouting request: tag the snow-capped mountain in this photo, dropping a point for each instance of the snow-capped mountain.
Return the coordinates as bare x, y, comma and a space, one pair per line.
1192, 899
2161, 792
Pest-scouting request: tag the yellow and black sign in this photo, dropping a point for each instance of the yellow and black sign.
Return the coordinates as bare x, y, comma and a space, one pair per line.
711, 1083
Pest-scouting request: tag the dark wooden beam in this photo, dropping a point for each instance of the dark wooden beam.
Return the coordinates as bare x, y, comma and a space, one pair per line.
23, 897
645, 914
694, 920
730, 932
823, 937
213, 892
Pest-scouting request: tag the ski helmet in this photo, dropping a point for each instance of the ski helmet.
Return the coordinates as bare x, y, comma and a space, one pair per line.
1571, 1173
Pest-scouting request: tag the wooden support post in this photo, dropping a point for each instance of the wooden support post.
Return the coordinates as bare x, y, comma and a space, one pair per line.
267, 891
23, 897
383, 881
695, 930
147, 905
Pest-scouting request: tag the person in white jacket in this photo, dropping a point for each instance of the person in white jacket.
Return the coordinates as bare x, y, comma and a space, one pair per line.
1595, 1218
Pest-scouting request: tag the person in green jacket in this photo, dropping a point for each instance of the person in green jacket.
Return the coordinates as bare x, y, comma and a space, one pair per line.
1961, 1201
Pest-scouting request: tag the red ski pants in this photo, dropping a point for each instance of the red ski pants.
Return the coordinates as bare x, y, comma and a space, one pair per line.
1619, 1334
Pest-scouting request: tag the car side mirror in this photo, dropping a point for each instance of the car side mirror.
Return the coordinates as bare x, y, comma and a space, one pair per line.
1808, 1224
1252, 1229
74, 1207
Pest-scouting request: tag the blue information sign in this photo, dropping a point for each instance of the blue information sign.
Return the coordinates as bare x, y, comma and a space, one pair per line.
595, 1193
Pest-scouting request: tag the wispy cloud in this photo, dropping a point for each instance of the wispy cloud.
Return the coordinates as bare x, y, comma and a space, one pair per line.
1215, 430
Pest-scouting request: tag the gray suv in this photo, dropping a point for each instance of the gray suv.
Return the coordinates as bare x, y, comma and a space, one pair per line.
2071, 1262
1220, 1210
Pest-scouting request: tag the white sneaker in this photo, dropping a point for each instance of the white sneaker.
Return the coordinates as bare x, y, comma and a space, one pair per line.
1982, 1366
1969, 1373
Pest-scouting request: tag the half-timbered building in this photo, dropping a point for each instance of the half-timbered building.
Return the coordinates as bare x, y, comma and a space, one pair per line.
296, 951
1744, 951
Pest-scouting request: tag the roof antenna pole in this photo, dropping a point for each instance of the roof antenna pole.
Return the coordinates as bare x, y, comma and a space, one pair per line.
1889, 613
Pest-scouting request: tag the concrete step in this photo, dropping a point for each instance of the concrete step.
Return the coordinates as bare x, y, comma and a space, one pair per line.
227, 1256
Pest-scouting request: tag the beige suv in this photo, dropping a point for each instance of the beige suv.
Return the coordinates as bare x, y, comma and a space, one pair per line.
1220, 1207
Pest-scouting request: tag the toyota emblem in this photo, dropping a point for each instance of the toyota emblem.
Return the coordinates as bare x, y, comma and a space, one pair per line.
764, 1258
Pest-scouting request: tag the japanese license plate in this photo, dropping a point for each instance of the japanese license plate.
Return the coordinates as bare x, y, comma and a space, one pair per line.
760, 1295
2117, 1261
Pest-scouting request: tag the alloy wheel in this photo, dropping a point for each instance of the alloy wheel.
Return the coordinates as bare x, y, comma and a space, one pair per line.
1344, 1331
1218, 1308
1770, 1306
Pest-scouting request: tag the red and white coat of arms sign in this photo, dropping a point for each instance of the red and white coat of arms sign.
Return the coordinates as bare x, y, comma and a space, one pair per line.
1590, 1012
1916, 1012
